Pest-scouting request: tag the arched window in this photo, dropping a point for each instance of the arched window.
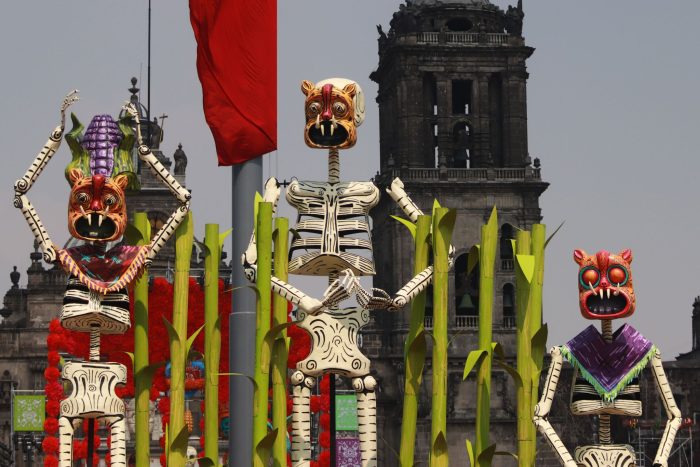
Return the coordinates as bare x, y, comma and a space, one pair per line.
466, 288
506, 247
461, 142
508, 306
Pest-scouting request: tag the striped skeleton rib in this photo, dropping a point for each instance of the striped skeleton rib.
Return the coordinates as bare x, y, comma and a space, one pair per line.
672, 411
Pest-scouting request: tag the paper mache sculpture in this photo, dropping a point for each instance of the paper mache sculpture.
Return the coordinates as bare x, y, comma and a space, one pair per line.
606, 366
334, 241
96, 298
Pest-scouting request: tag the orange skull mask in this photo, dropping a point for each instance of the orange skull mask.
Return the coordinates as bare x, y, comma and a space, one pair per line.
334, 108
97, 207
605, 288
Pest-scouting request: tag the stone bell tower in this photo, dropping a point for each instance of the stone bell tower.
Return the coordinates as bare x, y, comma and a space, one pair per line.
453, 126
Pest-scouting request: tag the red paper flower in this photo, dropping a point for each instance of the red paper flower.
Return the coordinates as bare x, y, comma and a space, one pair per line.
53, 358
324, 439
52, 408
325, 384
162, 460
315, 403
324, 459
55, 326
325, 421
51, 373
54, 390
51, 425
325, 402
50, 461
53, 342
50, 445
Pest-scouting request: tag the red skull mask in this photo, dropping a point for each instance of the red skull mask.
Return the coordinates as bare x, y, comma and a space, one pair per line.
97, 206
605, 288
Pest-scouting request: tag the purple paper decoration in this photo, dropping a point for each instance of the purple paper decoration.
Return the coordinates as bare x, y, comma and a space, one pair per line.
347, 452
100, 139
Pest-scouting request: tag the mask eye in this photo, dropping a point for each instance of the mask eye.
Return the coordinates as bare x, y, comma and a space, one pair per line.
339, 109
617, 275
314, 109
82, 197
109, 200
589, 276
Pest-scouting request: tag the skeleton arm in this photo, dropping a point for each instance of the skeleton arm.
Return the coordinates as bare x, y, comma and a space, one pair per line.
420, 281
24, 184
544, 406
181, 194
336, 292
672, 411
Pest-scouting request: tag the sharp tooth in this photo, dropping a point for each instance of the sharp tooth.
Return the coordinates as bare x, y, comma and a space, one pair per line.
332, 129
318, 121
323, 130
85, 215
106, 209
101, 217
608, 293
592, 288
601, 294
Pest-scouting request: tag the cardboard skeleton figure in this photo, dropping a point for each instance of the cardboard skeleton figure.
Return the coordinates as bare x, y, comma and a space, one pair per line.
334, 241
606, 366
96, 298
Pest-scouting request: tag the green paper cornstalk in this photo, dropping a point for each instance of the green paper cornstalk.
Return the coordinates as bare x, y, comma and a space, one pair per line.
184, 239
142, 377
524, 261
212, 341
415, 349
279, 349
263, 233
530, 335
487, 258
443, 223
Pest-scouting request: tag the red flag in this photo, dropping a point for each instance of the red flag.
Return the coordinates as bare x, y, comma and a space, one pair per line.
237, 65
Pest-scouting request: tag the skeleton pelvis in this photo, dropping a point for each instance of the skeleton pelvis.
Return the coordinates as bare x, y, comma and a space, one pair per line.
93, 390
607, 455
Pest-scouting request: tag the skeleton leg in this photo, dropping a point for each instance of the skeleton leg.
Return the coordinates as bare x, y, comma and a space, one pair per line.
672, 411
65, 440
117, 448
367, 418
545, 404
301, 418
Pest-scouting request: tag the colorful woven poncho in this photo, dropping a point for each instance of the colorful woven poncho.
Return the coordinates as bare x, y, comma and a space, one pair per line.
609, 366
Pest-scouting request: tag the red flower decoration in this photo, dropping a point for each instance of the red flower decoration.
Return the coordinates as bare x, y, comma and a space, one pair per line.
325, 402
52, 408
51, 425
54, 390
325, 384
53, 358
50, 445
162, 460
324, 439
50, 461
324, 459
54, 342
55, 326
325, 421
51, 373
315, 403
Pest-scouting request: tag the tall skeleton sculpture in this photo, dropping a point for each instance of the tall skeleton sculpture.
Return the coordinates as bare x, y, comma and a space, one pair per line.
335, 242
606, 366
96, 298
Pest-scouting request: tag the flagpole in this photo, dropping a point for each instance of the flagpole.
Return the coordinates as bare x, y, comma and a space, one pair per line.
246, 180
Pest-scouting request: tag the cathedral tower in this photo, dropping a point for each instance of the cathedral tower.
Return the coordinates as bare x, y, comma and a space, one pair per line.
453, 126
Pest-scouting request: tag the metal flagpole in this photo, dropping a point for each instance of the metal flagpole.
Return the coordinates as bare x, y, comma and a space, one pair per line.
246, 180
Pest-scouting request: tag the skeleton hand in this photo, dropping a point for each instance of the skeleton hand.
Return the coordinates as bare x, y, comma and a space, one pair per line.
378, 299
310, 305
340, 289
133, 112
70, 98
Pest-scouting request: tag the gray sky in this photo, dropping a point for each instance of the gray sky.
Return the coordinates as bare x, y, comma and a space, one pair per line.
612, 114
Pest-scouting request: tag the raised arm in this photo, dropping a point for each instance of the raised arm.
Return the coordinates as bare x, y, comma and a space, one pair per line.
181, 194
24, 184
672, 411
544, 406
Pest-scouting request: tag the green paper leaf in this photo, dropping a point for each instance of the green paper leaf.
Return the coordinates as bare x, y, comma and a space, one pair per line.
485, 457
268, 344
146, 373
249, 378
415, 360
190, 340
497, 349
203, 246
436, 205
474, 359
264, 448
131, 356
439, 454
180, 441
172, 333
493, 220
517, 379
506, 453
132, 235
525, 267
409, 225
554, 233
206, 462
470, 453
539, 346
223, 235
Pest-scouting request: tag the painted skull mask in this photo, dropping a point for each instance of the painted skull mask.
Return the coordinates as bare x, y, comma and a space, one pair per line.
97, 206
334, 108
605, 289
